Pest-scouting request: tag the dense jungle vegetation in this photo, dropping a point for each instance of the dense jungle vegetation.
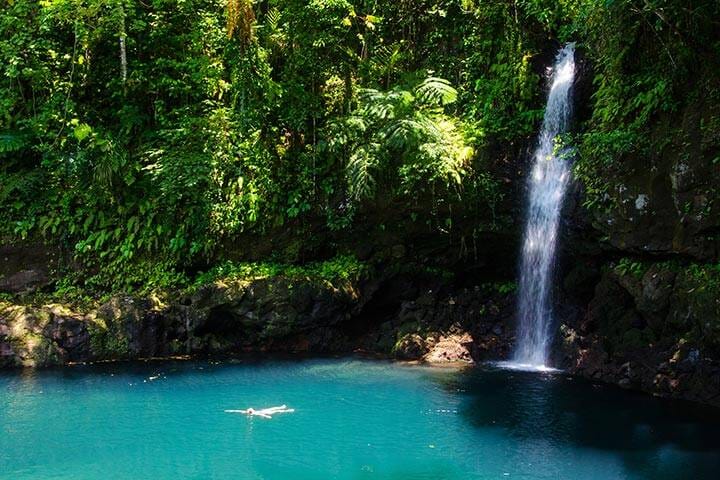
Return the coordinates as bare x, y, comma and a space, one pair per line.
146, 137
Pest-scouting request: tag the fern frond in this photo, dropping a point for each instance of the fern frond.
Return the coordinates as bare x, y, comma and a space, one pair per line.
437, 91
448, 156
370, 95
411, 132
361, 183
12, 142
403, 134
272, 19
385, 59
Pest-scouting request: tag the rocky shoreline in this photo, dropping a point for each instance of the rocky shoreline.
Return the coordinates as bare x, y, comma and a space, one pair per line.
651, 328
263, 315
394, 316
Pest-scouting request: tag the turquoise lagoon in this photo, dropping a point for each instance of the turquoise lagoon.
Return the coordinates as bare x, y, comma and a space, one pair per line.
353, 419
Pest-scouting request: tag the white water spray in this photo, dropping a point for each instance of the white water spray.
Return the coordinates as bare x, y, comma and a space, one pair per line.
548, 183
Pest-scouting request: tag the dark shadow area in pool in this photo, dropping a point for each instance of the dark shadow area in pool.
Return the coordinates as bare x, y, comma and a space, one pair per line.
564, 410
136, 371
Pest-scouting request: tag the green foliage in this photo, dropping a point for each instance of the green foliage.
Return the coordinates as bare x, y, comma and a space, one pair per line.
343, 267
402, 135
153, 133
627, 266
652, 60
147, 137
11, 142
505, 288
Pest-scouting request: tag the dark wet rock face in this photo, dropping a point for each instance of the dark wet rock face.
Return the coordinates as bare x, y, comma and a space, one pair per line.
39, 337
664, 202
464, 326
654, 330
641, 269
26, 267
23, 281
656, 287
269, 314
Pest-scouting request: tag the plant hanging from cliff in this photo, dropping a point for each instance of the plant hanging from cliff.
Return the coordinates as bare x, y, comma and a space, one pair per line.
240, 20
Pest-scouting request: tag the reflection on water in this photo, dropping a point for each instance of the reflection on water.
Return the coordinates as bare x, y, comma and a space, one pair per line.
354, 420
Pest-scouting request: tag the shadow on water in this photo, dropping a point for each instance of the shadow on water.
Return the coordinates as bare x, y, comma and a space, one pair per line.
641, 430
145, 367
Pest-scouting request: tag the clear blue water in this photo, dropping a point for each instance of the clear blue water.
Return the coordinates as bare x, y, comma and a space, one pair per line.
354, 419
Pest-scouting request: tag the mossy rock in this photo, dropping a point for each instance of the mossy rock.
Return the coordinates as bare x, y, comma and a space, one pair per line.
410, 346
696, 305
633, 339
107, 341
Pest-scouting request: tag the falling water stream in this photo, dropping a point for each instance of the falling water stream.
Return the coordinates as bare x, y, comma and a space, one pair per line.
547, 186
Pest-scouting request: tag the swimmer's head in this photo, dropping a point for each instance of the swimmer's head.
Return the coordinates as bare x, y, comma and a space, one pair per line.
250, 410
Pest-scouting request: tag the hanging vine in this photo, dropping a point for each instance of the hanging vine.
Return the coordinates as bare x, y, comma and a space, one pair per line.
123, 51
241, 21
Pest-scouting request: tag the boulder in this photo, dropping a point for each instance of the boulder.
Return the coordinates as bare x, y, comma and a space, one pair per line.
411, 346
451, 348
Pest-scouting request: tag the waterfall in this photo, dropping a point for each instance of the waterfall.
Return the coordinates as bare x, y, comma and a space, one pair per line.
547, 186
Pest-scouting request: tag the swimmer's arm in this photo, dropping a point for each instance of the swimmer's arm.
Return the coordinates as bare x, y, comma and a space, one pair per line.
235, 411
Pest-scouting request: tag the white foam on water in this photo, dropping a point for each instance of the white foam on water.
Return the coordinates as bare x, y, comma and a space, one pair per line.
525, 367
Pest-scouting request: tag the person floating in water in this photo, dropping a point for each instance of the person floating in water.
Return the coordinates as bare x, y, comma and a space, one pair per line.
265, 412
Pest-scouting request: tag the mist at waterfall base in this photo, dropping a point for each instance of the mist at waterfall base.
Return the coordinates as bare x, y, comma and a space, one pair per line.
548, 182
353, 419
